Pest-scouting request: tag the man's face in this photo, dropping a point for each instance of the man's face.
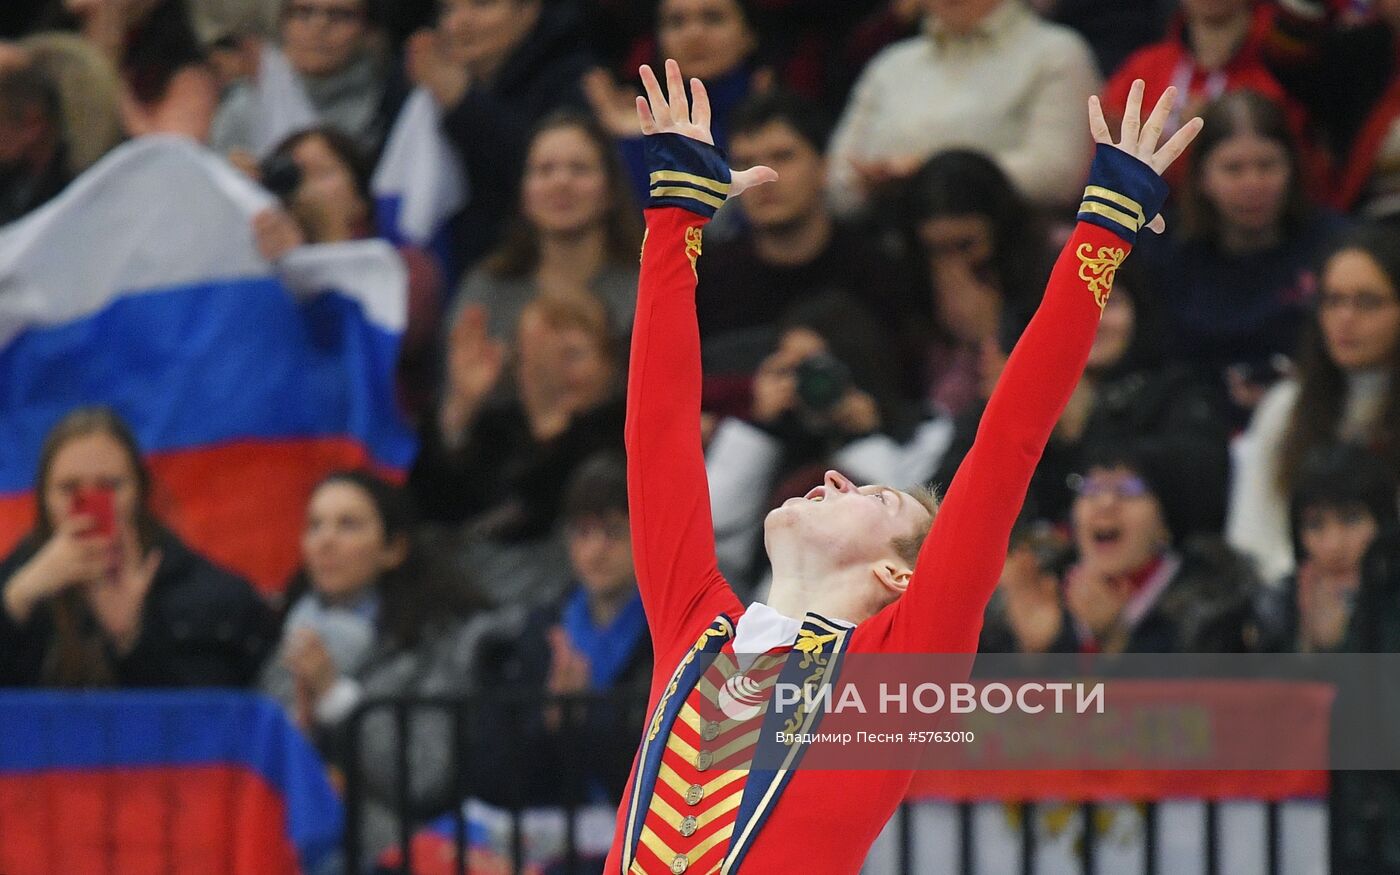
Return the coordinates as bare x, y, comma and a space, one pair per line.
600, 551
321, 37
851, 524
797, 194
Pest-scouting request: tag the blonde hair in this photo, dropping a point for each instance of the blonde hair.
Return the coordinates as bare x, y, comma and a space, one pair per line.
909, 546
89, 90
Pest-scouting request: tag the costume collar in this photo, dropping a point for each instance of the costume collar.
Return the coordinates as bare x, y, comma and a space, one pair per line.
761, 628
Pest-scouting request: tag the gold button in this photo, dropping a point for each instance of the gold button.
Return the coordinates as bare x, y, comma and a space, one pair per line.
688, 826
680, 864
709, 731
704, 759
694, 794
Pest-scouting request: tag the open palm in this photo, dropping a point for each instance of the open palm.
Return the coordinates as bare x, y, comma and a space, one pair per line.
674, 115
1139, 138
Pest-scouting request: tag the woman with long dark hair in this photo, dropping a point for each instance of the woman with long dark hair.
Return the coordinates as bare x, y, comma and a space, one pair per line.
1237, 277
371, 614
576, 230
100, 594
985, 258
1345, 389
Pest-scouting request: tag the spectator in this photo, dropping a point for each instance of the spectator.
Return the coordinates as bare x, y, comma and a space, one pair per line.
369, 616
986, 262
1238, 275
794, 250
324, 63
826, 396
495, 459
1141, 584
1344, 390
1214, 46
1027, 614
1031, 79
1128, 392
100, 594
576, 229
33, 153
168, 86
496, 67
1114, 29
220, 20
591, 642
1346, 76
89, 92
323, 179
714, 41
1343, 497
1364, 809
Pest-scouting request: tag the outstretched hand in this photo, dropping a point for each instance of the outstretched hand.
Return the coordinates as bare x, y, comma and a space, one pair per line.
1139, 138
674, 115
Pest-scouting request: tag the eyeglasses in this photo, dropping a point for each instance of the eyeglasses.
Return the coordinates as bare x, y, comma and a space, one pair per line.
1361, 302
304, 13
1118, 487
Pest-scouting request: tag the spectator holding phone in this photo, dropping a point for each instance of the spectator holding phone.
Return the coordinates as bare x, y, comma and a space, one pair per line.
323, 179
99, 594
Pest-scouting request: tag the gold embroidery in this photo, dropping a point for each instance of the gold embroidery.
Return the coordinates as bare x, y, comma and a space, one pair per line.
643, 254
810, 644
693, 238
1098, 269
689, 657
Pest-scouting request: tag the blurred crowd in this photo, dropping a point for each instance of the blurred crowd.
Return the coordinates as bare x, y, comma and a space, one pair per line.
1224, 478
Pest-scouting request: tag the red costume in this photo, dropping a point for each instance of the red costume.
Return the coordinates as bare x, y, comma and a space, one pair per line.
789, 820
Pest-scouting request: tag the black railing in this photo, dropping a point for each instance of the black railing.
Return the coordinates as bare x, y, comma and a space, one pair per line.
491, 753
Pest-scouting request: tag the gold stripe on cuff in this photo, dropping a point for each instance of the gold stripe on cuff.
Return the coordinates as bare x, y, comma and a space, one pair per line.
692, 193
1114, 197
1117, 215
713, 185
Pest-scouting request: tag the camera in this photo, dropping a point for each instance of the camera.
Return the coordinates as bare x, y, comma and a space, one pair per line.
822, 381
281, 176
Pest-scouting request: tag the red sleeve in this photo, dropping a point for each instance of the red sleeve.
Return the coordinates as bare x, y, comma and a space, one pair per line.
961, 561
673, 541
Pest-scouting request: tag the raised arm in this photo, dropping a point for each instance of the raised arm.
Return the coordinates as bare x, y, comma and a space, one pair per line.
673, 541
962, 558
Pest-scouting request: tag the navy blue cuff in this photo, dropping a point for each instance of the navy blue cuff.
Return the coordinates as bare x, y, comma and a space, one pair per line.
686, 173
1123, 193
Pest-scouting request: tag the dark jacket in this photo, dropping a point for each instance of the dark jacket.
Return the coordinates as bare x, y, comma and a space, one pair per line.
1165, 406
201, 627
503, 483
1365, 806
1205, 607
592, 748
491, 125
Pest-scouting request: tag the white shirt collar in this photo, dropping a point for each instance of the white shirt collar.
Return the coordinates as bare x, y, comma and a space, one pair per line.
761, 629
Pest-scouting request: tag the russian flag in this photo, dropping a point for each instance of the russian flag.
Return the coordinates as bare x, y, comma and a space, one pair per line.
419, 183
140, 288
160, 782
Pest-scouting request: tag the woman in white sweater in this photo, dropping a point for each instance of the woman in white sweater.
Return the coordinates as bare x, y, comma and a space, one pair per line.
1345, 390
